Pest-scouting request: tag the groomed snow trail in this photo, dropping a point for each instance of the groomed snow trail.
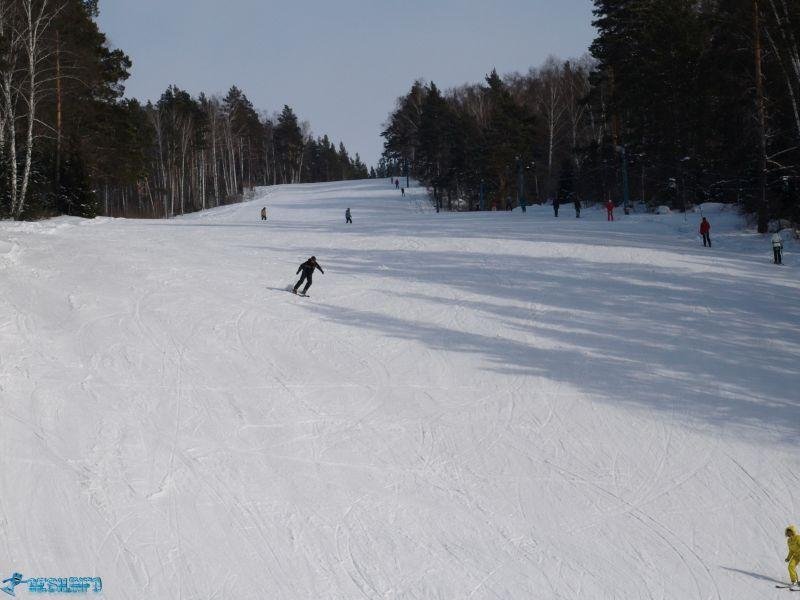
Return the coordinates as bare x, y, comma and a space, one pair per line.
467, 406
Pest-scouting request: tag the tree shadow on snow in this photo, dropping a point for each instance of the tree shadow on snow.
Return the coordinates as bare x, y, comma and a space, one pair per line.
679, 342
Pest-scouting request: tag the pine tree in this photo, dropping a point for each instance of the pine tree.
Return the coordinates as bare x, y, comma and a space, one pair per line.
509, 137
289, 145
75, 196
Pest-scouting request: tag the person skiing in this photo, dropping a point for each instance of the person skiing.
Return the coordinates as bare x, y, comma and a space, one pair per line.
577, 204
264, 214
793, 558
397, 184
556, 203
347, 217
402, 191
610, 210
308, 273
777, 247
705, 231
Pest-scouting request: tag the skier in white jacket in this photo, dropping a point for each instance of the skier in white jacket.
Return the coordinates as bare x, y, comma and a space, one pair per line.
777, 247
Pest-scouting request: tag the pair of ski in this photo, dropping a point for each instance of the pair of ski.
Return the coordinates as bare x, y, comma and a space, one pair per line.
786, 586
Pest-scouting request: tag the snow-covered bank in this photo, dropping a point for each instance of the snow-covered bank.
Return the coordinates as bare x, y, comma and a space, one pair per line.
469, 405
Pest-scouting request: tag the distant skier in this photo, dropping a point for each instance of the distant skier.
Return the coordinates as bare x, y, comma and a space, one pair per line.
308, 274
705, 231
777, 247
577, 204
397, 184
347, 217
610, 210
264, 214
793, 558
556, 203
402, 191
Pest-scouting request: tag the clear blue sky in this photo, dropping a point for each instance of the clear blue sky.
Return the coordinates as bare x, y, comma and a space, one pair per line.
339, 63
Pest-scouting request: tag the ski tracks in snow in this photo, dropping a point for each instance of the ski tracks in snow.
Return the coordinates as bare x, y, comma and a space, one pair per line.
455, 413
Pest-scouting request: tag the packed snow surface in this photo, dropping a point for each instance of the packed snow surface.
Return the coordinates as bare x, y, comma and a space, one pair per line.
495, 405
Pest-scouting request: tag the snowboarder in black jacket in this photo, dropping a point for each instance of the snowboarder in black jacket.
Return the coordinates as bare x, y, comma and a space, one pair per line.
308, 273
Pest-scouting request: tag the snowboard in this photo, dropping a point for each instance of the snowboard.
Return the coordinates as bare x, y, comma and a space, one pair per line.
291, 291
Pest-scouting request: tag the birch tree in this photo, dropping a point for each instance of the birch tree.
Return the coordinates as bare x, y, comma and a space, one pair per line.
23, 25
553, 107
782, 36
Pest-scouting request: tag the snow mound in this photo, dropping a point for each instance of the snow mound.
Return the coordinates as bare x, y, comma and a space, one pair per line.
715, 207
9, 253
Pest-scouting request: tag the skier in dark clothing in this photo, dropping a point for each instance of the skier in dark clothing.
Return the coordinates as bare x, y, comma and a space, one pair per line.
577, 204
347, 217
556, 203
308, 273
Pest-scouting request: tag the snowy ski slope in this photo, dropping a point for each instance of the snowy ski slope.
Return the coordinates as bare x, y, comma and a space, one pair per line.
467, 406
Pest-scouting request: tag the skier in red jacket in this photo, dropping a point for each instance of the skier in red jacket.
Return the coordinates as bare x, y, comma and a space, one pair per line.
705, 229
610, 210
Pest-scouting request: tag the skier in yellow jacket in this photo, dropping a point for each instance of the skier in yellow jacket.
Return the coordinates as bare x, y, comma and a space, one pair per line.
793, 558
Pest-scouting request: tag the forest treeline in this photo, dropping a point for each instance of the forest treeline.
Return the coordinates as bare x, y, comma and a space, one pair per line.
679, 101
70, 143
